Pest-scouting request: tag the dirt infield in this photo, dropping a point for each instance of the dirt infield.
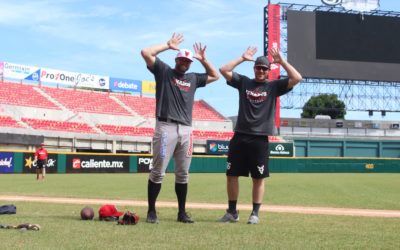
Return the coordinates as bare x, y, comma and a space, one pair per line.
267, 208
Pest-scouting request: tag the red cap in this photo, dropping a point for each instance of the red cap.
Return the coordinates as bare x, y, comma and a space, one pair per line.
42, 144
109, 210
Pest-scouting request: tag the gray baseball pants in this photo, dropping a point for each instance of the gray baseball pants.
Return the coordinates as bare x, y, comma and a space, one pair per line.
171, 140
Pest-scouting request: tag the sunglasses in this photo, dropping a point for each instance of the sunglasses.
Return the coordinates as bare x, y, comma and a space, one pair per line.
261, 68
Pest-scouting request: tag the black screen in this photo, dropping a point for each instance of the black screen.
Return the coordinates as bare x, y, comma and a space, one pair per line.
343, 46
356, 37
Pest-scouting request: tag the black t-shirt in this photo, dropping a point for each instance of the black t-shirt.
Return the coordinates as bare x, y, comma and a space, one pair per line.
257, 104
175, 92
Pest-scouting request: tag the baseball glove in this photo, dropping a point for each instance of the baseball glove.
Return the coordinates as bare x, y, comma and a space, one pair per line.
129, 218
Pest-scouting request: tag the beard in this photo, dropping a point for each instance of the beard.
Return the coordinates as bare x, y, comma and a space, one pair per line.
181, 68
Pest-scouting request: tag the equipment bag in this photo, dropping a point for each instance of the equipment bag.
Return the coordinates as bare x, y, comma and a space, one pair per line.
8, 209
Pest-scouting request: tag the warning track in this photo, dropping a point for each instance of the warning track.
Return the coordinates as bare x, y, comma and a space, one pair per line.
215, 206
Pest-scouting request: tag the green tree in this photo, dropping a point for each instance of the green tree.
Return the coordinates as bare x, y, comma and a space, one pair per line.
324, 104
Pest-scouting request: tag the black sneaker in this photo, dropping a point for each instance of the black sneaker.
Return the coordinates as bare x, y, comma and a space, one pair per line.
152, 217
184, 218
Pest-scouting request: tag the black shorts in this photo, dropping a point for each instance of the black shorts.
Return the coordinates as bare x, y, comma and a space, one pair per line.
248, 154
40, 164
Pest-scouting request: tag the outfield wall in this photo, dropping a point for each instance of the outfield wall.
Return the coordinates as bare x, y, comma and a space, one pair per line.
317, 147
22, 162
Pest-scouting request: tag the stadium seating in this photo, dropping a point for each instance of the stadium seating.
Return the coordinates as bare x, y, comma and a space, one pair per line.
148, 132
201, 111
144, 106
86, 101
7, 121
23, 95
75, 127
214, 135
125, 130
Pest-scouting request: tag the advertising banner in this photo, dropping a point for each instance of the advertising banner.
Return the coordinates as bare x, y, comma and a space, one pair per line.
30, 166
97, 164
6, 162
274, 33
217, 147
21, 72
144, 164
74, 79
125, 85
1, 70
148, 87
281, 149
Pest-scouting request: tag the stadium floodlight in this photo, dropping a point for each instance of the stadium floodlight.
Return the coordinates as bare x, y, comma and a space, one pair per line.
355, 5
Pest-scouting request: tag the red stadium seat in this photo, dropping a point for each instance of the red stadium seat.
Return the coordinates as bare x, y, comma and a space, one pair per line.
23, 95
75, 127
7, 121
86, 101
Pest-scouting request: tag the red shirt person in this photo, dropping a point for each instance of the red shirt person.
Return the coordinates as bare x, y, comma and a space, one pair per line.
41, 155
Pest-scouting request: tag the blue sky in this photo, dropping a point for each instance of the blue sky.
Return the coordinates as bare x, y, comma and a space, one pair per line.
105, 37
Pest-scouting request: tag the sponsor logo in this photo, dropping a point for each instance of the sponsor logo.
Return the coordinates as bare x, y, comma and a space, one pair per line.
29, 163
6, 162
280, 150
78, 164
261, 169
16, 68
125, 85
51, 163
217, 147
57, 76
213, 147
181, 84
369, 166
35, 76
102, 82
146, 161
331, 2
73, 78
257, 95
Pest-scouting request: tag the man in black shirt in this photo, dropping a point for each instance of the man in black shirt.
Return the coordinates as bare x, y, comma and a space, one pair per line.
248, 149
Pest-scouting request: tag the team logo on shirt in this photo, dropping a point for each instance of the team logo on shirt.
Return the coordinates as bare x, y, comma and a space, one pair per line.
261, 169
256, 95
181, 84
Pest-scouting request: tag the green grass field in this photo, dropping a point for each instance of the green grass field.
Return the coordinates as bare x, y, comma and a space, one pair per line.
62, 227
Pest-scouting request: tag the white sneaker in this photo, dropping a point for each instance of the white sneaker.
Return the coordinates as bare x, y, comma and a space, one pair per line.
229, 217
253, 219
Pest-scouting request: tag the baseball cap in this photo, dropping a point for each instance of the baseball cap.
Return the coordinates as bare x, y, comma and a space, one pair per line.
42, 144
109, 210
262, 61
185, 53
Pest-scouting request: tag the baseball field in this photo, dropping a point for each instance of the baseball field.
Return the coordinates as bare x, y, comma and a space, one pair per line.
301, 211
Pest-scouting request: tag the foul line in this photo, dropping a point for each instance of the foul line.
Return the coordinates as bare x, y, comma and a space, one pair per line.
214, 206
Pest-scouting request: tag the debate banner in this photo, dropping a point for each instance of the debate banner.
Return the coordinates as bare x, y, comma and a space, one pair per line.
125, 85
